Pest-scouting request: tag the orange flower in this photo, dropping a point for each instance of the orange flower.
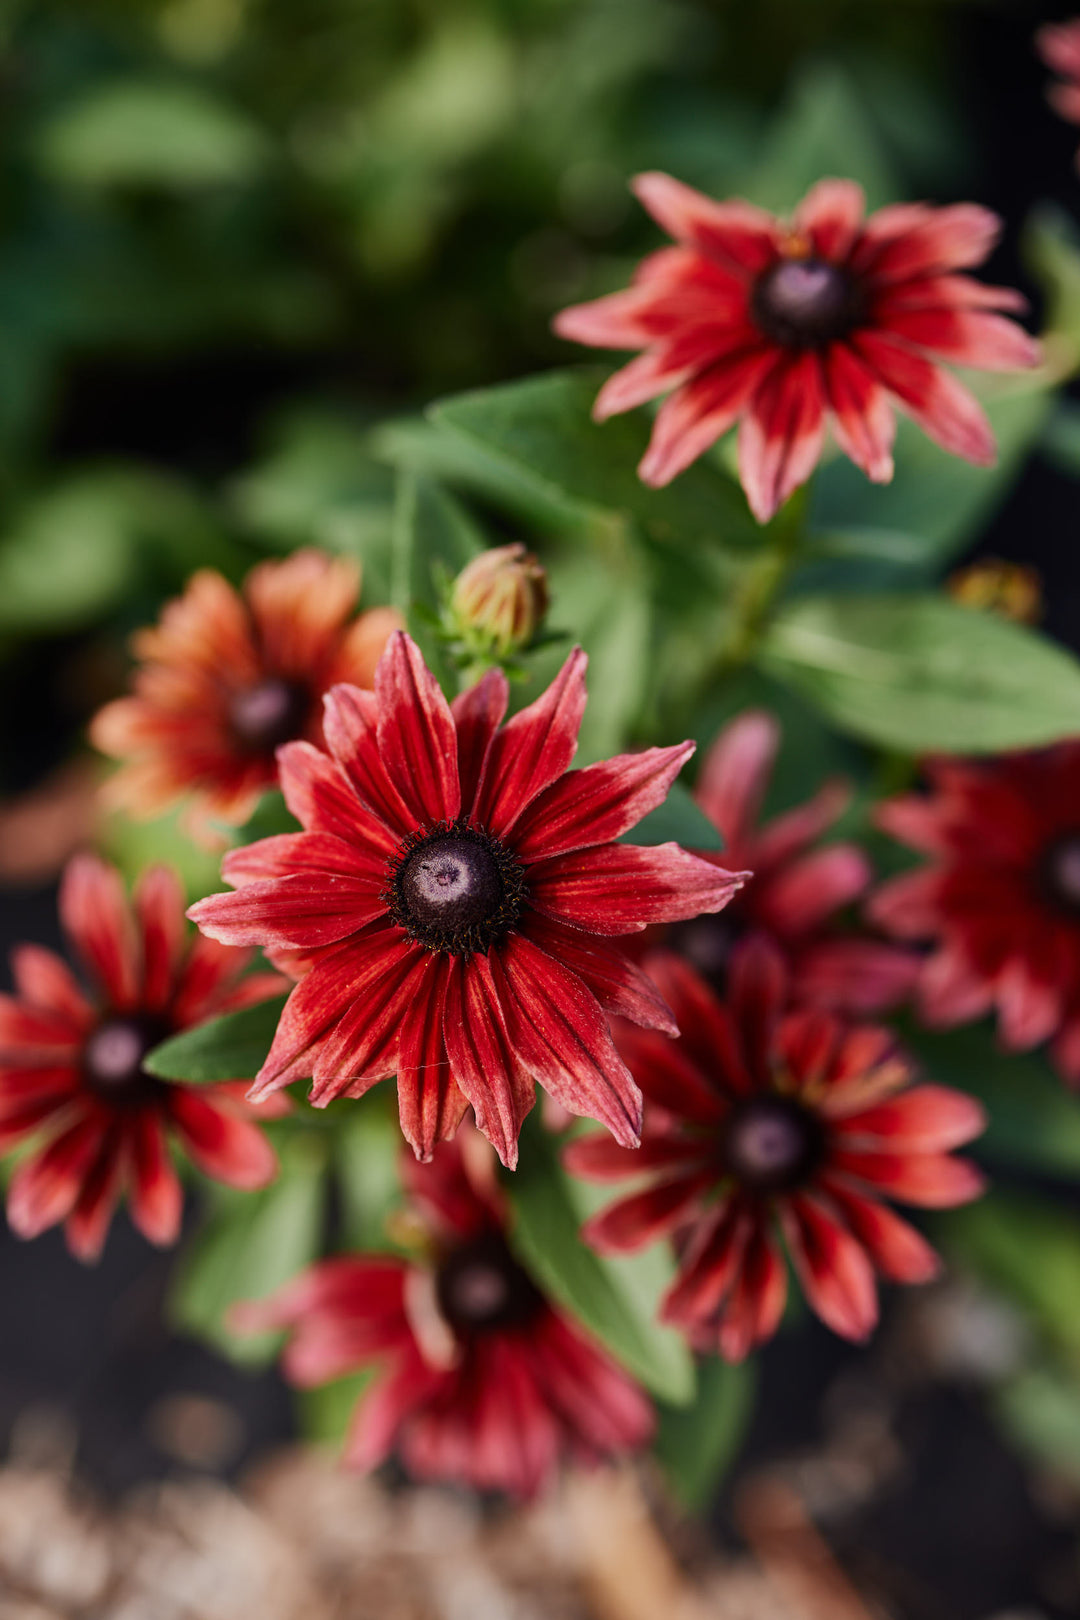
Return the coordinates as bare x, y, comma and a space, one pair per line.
227, 676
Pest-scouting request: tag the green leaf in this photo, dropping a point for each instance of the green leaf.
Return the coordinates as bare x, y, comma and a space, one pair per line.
677, 820
1031, 1250
936, 503
921, 673
137, 132
1033, 1120
366, 1141
534, 446
251, 1244
1052, 248
617, 1299
230, 1048
696, 1444
326, 1412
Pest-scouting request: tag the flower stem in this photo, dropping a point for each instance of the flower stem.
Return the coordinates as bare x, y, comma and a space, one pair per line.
762, 585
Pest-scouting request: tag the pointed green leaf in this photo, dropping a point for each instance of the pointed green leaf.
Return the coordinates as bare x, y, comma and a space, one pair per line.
696, 1444
678, 820
230, 1048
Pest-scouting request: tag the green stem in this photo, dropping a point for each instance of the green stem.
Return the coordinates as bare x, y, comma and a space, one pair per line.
762, 585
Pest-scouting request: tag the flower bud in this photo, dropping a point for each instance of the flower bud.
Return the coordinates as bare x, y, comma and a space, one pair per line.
499, 600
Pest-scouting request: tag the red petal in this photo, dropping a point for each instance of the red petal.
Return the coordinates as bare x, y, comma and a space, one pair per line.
855, 976
909, 905
336, 986
349, 725
788, 834
670, 1078
758, 988
782, 434
300, 912
945, 410
364, 1046
930, 1180
478, 714
309, 854
223, 1145
709, 1035
951, 992
599, 803
597, 1158
621, 988
651, 373
45, 981
319, 795
561, 1036
831, 214
752, 1311
98, 920
641, 1219
429, 1102
967, 337
1028, 993
736, 772
385, 1407
736, 233
416, 734
710, 1263
703, 409
862, 417
159, 908
533, 749
46, 1188
833, 1267
621, 888
898, 1251
807, 891
926, 1119
911, 239
156, 1198
87, 1226
483, 1060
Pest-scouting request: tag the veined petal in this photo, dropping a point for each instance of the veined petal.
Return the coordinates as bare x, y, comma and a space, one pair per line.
484, 1063
967, 337
945, 410
621, 888
833, 1268
863, 421
736, 233
304, 855
598, 804
703, 409
634, 1222
430, 1104
533, 749
782, 434
321, 797
557, 1028
621, 988
416, 732
478, 714
298, 912
350, 721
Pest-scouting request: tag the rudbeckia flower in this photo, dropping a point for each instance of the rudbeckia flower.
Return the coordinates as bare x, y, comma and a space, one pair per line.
227, 676
766, 1127
999, 901
481, 1380
787, 326
456, 898
72, 1081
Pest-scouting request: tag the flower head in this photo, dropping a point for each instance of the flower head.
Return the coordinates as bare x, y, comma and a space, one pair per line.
228, 676
499, 600
483, 1380
799, 884
71, 1073
783, 325
1000, 897
456, 895
765, 1123
1059, 46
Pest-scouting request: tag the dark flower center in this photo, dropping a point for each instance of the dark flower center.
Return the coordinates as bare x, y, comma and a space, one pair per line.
481, 1287
112, 1059
771, 1143
806, 303
263, 717
1061, 872
455, 888
707, 943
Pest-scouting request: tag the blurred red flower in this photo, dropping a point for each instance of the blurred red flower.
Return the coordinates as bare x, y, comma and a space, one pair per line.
784, 325
1059, 46
799, 885
483, 1380
228, 676
454, 898
1000, 899
71, 1068
762, 1122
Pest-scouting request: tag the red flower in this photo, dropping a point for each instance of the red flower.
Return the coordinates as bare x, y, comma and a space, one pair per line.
779, 326
762, 1122
71, 1066
798, 888
1059, 46
227, 676
1000, 899
454, 896
484, 1381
